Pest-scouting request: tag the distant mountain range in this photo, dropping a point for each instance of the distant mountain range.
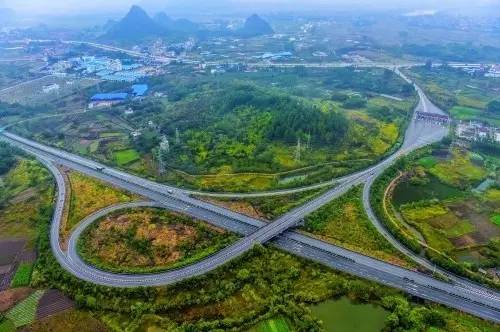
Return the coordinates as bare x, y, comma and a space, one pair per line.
182, 25
137, 25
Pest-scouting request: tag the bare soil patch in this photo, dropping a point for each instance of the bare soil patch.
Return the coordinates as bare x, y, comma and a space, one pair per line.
23, 196
240, 207
11, 297
9, 249
53, 302
485, 230
464, 241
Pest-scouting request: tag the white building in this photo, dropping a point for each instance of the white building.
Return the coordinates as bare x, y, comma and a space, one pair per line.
50, 88
115, 65
493, 72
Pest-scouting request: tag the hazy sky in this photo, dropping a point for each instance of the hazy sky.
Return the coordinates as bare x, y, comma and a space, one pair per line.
71, 7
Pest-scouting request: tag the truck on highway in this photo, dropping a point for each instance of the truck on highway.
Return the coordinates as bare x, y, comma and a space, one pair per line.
99, 168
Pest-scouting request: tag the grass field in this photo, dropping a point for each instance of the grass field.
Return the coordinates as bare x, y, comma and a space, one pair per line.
7, 325
344, 222
492, 195
25, 190
437, 224
459, 171
89, 195
273, 325
74, 320
495, 218
465, 113
25, 312
125, 157
23, 275
427, 162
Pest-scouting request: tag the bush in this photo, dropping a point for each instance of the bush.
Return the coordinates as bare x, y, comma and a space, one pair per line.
355, 102
339, 96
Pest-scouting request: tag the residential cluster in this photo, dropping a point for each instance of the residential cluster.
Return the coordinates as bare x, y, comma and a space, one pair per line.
104, 68
477, 131
479, 69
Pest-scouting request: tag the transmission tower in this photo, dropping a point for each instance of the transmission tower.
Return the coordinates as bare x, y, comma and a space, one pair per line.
297, 150
161, 163
164, 149
177, 136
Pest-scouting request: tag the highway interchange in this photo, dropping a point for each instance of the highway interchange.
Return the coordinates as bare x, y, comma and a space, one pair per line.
459, 294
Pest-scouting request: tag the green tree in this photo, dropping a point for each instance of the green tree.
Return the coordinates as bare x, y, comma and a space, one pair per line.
7, 159
494, 106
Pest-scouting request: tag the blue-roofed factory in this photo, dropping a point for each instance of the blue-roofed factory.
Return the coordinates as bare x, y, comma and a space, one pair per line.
139, 90
107, 99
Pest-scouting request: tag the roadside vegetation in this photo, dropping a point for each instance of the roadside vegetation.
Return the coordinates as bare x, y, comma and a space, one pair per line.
267, 208
74, 320
344, 222
149, 240
89, 195
25, 193
443, 205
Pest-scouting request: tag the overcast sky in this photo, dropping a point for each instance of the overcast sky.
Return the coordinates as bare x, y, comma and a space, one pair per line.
71, 7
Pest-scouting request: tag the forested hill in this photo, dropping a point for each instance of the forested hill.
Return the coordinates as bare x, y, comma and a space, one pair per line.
243, 125
287, 118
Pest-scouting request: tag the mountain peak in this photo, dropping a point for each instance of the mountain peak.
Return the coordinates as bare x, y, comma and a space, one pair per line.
135, 25
137, 12
256, 26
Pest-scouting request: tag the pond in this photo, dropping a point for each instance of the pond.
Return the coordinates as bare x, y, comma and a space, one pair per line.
343, 315
405, 192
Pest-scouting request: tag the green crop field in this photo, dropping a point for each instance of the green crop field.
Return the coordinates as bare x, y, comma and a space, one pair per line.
427, 162
125, 157
25, 312
464, 113
7, 326
23, 275
495, 218
274, 325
